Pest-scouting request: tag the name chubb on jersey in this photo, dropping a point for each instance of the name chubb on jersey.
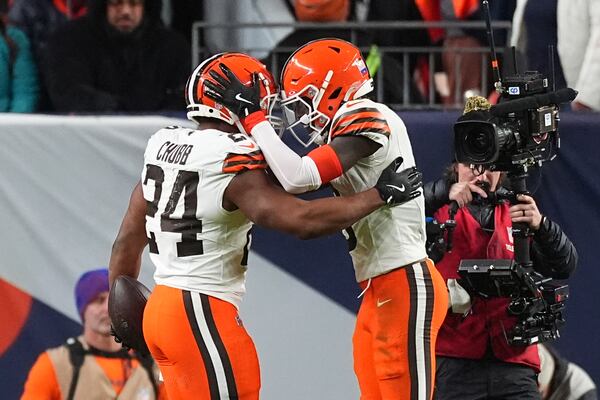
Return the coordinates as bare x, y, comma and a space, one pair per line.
174, 153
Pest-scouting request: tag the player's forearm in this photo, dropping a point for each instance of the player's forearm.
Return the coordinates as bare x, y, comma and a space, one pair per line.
325, 216
270, 207
296, 174
126, 255
124, 260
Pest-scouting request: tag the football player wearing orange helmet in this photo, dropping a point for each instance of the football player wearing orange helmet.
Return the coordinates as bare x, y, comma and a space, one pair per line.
324, 84
200, 192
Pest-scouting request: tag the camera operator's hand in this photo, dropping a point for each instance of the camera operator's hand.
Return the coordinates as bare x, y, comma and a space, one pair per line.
462, 192
526, 211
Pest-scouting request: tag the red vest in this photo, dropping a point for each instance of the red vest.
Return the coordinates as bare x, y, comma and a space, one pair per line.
470, 336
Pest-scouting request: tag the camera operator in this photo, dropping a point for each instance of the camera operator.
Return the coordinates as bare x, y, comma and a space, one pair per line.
474, 359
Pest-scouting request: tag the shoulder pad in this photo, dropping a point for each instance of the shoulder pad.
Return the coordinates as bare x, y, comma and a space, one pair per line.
359, 117
243, 154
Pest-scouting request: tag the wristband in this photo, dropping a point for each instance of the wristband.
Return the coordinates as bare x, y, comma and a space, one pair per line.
252, 120
327, 162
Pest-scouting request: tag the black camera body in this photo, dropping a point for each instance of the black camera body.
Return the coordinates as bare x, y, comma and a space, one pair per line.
435, 245
519, 132
538, 302
523, 85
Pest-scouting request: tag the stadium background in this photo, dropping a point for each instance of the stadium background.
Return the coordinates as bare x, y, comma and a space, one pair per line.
65, 186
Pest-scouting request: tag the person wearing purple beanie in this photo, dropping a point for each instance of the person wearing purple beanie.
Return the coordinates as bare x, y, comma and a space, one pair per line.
93, 365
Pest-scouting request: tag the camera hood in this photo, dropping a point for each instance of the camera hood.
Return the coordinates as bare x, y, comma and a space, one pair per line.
476, 142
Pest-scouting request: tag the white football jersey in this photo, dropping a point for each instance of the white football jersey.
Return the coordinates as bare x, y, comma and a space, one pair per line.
390, 237
194, 242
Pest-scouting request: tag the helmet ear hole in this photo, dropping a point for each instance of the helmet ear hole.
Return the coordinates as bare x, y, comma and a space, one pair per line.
335, 94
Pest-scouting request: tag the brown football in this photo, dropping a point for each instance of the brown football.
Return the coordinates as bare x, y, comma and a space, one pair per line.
126, 303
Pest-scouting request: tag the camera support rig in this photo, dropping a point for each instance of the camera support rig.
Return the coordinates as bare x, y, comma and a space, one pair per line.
537, 301
520, 230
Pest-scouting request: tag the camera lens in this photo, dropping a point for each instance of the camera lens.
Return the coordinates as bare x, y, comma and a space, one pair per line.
478, 141
506, 138
475, 142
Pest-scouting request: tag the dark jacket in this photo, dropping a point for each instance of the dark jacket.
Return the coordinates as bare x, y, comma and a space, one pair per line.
38, 19
91, 67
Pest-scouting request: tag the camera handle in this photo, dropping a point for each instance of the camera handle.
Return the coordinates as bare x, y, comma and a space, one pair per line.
521, 231
450, 224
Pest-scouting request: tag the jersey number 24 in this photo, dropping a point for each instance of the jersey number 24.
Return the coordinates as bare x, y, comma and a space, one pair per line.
186, 184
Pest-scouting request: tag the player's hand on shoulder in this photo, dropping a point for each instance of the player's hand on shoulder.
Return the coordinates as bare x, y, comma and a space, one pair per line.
397, 186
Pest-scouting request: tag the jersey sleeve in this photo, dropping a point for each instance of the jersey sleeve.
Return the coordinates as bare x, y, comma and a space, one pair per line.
295, 174
361, 118
243, 154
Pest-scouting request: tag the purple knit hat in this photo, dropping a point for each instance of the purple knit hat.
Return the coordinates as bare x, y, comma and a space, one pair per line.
89, 286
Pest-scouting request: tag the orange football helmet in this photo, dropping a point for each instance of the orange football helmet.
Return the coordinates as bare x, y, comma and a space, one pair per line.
316, 80
243, 66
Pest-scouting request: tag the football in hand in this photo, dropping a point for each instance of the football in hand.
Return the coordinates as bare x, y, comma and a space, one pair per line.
126, 302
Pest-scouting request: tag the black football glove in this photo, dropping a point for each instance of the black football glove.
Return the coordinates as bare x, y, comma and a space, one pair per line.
228, 90
399, 187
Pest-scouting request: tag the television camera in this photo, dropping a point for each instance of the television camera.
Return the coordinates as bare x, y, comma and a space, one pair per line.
522, 129
516, 134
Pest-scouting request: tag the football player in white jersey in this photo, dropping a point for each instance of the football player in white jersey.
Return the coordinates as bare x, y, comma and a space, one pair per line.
323, 85
200, 192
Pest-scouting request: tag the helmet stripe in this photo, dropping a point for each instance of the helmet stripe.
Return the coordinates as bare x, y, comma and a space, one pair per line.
194, 81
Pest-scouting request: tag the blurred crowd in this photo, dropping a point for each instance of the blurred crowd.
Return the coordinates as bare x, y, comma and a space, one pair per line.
107, 56
94, 56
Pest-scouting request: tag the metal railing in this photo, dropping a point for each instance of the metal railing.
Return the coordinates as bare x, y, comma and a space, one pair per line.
356, 30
